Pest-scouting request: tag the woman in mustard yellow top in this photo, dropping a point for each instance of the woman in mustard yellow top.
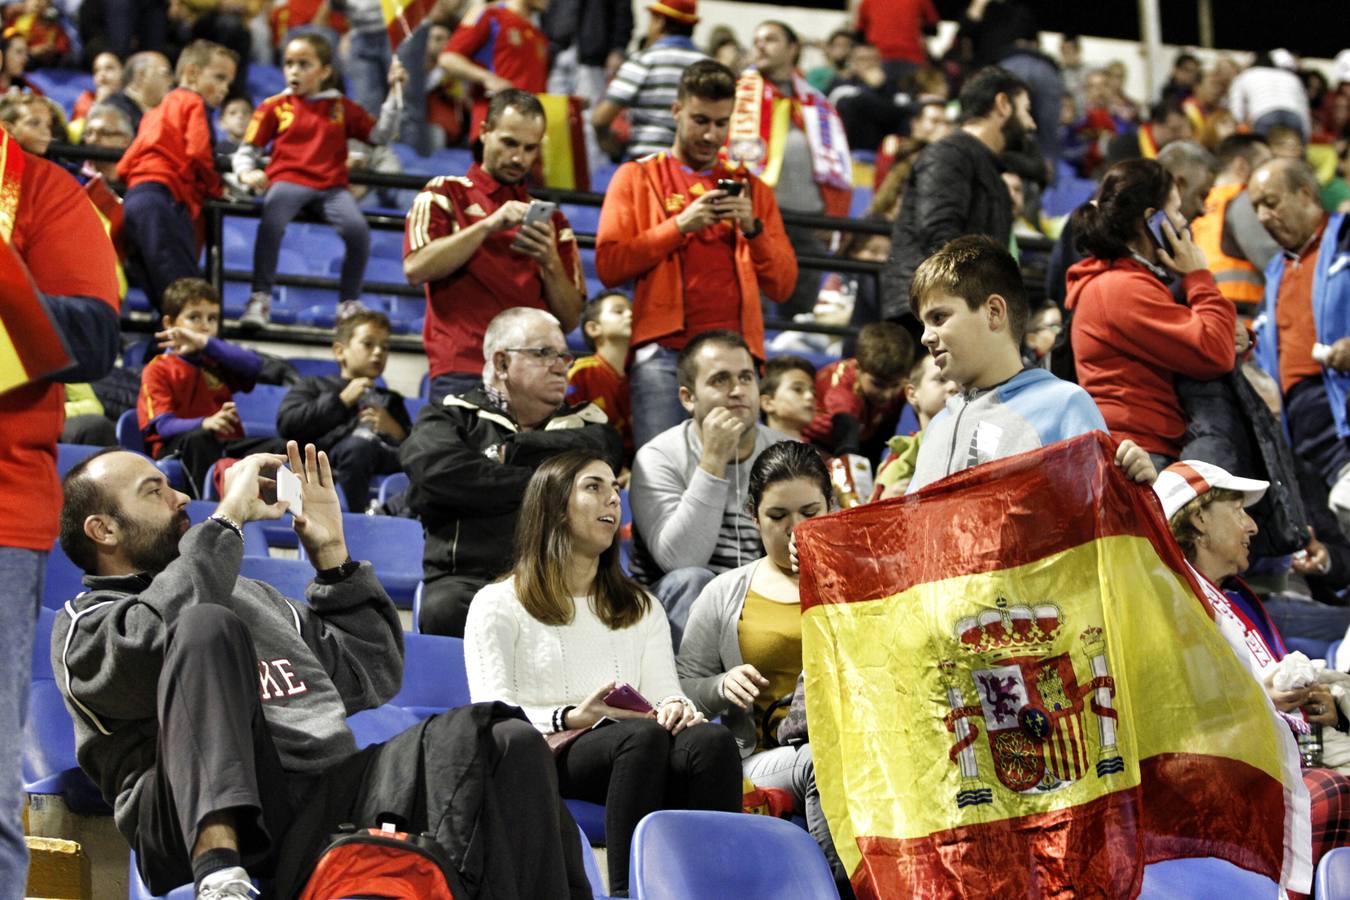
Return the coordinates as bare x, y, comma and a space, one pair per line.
742, 647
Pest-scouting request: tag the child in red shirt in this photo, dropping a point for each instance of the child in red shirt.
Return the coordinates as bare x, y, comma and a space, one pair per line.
308, 126
186, 405
497, 48
859, 400
601, 378
170, 170
787, 395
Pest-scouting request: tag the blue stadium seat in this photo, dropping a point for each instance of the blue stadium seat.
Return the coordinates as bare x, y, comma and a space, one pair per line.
375, 726
258, 409
434, 678
591, 819
424, 386
414, 406
63, 579
62, 85
392, 486
393, 545
289, 576
1332, 881
69, 455
49, 764
264, 81
1204, 878
310, 367
129, 438
695, 853
255, 538
417, 609
133, 354
234, 296
135, 301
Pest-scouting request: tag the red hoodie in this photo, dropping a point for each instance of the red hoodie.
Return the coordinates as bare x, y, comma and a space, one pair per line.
1131, 339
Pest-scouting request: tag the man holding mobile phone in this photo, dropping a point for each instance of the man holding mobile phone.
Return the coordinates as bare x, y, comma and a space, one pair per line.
699, 251
480, 245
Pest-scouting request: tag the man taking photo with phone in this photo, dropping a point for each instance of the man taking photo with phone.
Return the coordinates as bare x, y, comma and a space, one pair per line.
699, 255
475, 245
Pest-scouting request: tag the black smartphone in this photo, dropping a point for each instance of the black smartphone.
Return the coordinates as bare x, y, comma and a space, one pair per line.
732, 187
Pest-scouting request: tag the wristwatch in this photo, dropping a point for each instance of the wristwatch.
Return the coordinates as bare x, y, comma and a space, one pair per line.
754, 232
337, 573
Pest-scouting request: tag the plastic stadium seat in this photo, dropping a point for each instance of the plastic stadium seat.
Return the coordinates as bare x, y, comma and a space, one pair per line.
375, 726
62, 85
1332, 881
424, 386
417, 609
393, 545
310, 367
392, 486
414, 406
678, 854
434, 678
129, 438
1205, 878
68, 455
49, 764
264, 81
590, 818
135, 301
63, 579
234, 297
133, 355
289, 576
258, 409
255, 538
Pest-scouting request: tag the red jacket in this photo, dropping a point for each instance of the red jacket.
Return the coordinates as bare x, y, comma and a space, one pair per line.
173, 148
639, 241
1131, 339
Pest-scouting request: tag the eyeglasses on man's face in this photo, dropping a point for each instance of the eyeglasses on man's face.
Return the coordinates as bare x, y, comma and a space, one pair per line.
546, 355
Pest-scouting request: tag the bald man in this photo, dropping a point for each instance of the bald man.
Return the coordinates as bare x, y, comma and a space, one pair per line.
1307, 307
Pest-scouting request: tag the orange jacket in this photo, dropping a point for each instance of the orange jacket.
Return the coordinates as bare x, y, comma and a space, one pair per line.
1238, 279
639, 241
173, 148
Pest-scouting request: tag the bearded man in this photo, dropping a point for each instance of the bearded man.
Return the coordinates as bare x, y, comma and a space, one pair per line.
956, 186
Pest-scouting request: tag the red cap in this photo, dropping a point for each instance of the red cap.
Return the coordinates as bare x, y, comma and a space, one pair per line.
685, 11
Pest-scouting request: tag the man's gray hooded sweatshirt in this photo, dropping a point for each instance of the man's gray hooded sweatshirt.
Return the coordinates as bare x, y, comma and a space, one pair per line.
317, 662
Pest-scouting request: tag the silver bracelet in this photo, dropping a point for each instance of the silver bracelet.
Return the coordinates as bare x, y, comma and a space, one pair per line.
228, 523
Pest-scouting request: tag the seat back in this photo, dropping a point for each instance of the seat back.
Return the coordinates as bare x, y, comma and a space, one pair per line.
1205, 878
63, 579
393, 545
289, 576
1333, 875
258, 409
696, 853
129, 435
392, 486
434, 678
70, 455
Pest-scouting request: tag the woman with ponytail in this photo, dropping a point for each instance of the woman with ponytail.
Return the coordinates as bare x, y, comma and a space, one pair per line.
1131, 337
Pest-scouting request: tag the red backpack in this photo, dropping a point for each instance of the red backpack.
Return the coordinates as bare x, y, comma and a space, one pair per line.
382, 863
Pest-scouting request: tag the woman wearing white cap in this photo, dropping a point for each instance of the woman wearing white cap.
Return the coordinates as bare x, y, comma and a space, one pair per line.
1206, 508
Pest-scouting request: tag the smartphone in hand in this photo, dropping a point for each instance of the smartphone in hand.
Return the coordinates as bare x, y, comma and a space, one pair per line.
625, 696
539, 211
1155, 230
731, 186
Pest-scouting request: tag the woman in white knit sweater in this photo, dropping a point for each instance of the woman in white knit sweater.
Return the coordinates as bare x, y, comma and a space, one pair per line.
566, 628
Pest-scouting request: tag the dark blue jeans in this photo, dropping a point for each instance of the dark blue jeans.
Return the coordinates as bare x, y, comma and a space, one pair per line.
1312, 431
22, 571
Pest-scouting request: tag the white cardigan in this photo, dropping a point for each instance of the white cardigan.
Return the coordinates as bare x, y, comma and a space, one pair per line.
513, 657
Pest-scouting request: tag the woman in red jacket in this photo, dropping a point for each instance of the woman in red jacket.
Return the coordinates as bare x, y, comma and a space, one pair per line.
1130, 336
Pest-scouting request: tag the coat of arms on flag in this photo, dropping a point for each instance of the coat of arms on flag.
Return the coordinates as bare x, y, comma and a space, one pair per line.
1016, 689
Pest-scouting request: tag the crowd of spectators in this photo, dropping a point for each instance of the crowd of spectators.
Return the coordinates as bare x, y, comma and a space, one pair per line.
1196, 308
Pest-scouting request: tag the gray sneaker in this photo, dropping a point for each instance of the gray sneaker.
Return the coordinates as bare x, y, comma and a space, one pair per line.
348, 308
257, 313
227, 884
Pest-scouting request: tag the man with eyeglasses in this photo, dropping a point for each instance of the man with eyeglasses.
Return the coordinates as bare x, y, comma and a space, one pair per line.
470, 457
105, 126
468, 242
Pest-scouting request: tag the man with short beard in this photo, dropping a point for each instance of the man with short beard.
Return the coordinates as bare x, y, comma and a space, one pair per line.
956, 186
212, 711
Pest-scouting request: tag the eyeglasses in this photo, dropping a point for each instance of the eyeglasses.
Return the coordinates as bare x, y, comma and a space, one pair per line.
1053, 329
546, 355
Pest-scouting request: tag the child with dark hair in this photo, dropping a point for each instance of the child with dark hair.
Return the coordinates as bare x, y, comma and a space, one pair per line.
602, 377
972, 302
860, 398
170, 170
926, 392
307, 127
186, 404
787, 395
356, 421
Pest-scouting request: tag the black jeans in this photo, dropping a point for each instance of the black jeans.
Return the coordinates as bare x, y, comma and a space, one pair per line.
1312, 430
215, 754
355, 459
445, 603
635, 767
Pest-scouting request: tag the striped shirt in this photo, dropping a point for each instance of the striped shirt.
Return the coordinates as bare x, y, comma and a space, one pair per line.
646, 84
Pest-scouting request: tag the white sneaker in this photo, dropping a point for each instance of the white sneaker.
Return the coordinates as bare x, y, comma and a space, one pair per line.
257, 313
227, 884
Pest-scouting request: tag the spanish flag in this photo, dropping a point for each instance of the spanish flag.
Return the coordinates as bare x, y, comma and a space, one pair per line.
1015, 689
563, 155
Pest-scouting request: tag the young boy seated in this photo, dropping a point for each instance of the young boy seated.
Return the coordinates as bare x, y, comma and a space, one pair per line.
601, 378
357, 422
858, 400
926, 391
234, 116
186, 406
787, 395
973, 306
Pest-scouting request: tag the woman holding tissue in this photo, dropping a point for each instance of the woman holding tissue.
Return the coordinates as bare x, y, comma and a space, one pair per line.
583, 650
1206, 509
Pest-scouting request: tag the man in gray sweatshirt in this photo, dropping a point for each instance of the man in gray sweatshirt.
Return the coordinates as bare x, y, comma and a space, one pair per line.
211, 710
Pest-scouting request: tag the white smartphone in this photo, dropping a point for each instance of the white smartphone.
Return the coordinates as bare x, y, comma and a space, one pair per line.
288, 489
539, 211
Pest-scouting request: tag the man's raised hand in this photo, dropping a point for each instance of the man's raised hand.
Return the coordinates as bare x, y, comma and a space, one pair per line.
320, 528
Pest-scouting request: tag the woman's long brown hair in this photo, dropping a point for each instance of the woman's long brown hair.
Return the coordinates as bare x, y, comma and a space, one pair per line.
544, 546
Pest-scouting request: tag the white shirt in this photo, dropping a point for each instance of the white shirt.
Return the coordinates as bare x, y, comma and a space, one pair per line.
1262, 89
513, 657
